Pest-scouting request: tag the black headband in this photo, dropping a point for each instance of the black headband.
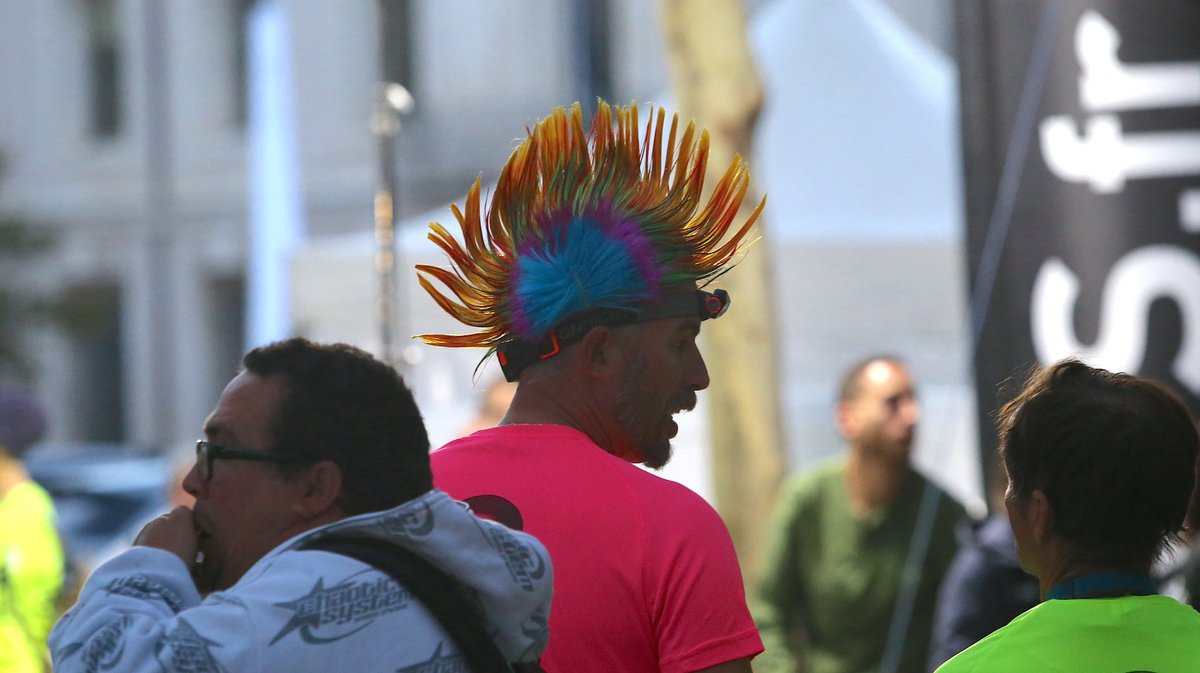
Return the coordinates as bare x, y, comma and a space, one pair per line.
518, 354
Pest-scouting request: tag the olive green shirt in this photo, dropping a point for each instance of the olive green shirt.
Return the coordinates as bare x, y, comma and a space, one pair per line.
831, 577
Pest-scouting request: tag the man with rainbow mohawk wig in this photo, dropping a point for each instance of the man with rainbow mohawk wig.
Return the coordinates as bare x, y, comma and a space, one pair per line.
585, 277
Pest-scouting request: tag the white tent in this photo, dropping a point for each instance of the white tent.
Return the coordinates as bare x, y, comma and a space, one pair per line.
858, 140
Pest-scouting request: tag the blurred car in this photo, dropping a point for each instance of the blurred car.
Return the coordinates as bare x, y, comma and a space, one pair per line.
104, 494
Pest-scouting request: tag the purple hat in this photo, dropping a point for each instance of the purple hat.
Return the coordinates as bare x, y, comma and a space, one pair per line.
22, 421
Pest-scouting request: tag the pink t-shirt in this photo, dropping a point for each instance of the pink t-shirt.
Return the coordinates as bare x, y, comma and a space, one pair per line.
645, 576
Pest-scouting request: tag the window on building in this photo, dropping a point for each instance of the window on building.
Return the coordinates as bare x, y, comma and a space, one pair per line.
239, 27
227, 322
104, 67
90, 315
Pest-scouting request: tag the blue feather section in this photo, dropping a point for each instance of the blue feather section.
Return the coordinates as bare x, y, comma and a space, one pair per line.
582, 268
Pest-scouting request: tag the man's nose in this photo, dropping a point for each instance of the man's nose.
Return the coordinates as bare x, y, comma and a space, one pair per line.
912, 412
192, 483
698, 376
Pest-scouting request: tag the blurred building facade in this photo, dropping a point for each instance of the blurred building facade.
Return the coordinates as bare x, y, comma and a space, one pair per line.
124, 124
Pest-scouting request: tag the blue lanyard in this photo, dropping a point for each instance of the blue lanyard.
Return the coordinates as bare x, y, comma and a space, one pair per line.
1105, 585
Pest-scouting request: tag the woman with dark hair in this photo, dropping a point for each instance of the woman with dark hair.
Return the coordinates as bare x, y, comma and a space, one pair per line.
1101, 469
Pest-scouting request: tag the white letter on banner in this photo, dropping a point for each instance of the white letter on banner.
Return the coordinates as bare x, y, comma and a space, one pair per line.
1105, 83
1137, 279
1102, 155
1105, 158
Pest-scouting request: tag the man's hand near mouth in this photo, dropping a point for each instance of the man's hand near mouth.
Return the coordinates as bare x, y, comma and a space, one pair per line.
176, 532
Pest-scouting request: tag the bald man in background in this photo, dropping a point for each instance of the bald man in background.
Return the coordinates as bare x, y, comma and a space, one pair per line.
846, 535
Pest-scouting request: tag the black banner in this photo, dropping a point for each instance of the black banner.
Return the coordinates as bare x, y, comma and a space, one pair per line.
1081, 146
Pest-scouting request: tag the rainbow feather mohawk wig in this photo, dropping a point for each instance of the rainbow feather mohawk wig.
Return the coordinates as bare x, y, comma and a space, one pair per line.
588, 228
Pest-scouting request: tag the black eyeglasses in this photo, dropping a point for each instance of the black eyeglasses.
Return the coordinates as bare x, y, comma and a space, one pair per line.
207, 452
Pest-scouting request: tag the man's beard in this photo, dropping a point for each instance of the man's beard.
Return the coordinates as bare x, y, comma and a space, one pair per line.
654, 451
891, 450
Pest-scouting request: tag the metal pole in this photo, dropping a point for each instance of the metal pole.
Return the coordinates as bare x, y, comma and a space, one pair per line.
393, 101
590, 37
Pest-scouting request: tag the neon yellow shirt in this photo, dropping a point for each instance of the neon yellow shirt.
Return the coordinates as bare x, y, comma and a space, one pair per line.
1091, 635
31, 575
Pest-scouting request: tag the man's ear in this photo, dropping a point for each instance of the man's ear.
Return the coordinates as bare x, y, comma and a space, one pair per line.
1041, 514
317, 489
597, 350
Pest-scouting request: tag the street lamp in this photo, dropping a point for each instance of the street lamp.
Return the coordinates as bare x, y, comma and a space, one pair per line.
393, 100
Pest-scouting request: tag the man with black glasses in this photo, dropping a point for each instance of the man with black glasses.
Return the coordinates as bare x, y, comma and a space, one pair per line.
307, 441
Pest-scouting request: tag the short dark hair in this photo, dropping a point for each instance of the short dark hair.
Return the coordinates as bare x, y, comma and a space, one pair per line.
1115, 455
342, 404
851, 386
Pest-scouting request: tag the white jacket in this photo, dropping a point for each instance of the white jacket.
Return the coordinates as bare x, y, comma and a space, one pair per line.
299, 611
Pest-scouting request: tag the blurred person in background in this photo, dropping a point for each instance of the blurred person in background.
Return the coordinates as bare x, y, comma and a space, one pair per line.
1101, 469
31, 554
493, 405
985, 586
851, 538
1178, 572
182, 460
1191, 576
1175, 571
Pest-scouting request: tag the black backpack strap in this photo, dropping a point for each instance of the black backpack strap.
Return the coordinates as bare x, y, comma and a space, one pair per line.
440, 594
